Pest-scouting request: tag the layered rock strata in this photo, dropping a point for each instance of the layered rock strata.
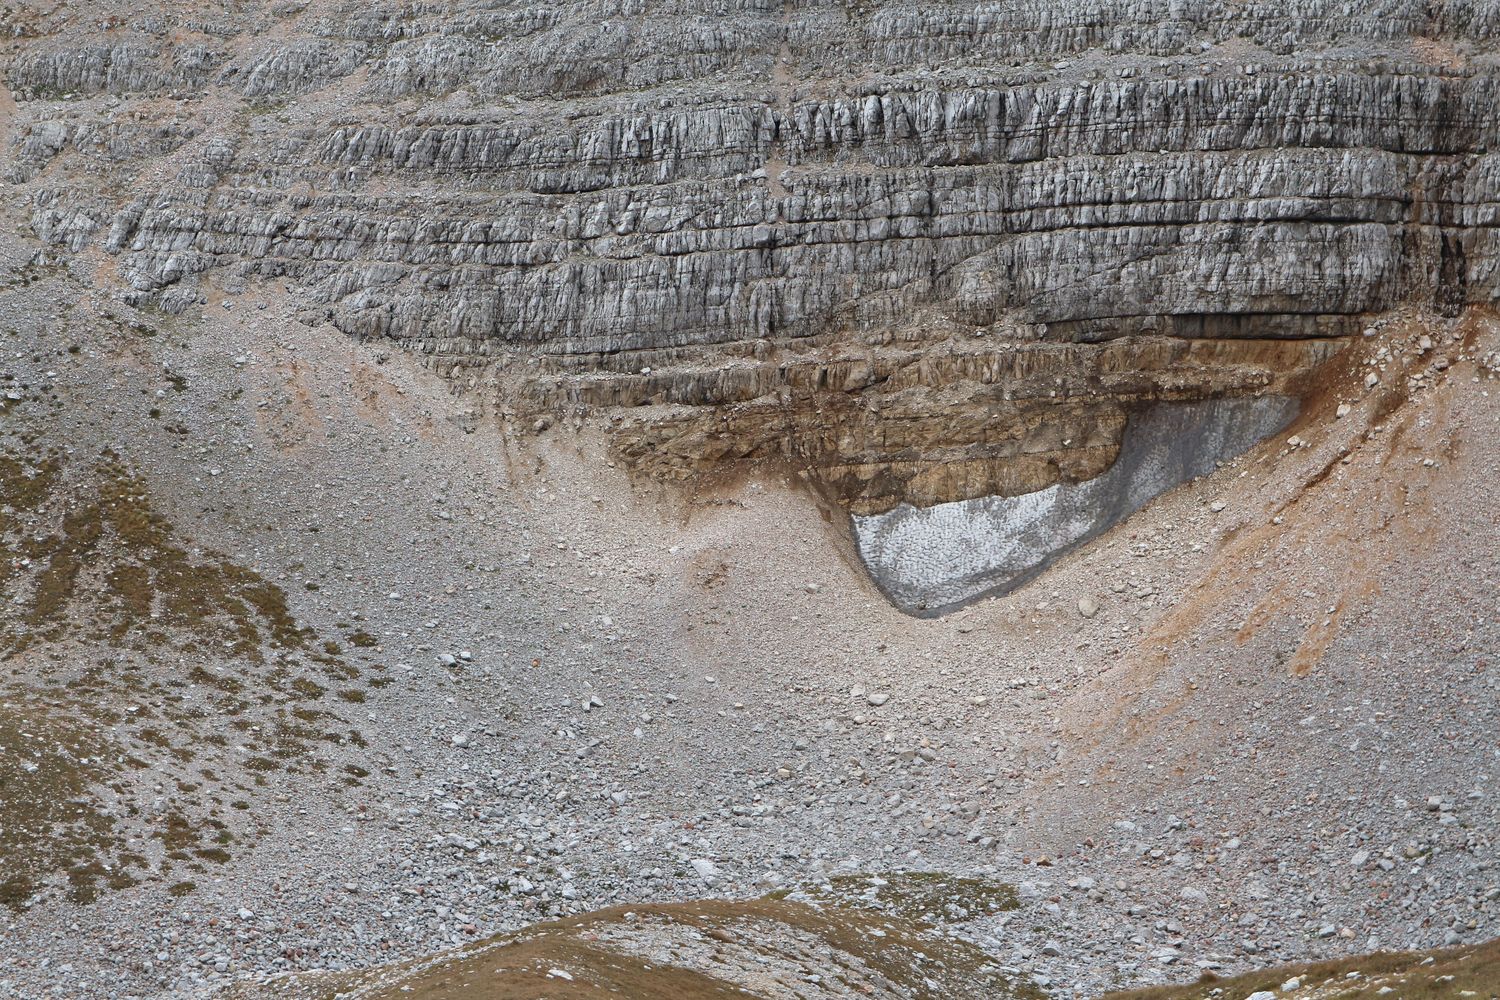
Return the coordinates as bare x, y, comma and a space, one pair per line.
922, 253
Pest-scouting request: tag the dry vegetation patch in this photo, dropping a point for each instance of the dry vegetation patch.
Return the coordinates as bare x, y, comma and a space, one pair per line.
1472, 973
708, 948
149, 683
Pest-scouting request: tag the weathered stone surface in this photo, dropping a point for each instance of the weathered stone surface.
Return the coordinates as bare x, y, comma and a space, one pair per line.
855, 238
932, 422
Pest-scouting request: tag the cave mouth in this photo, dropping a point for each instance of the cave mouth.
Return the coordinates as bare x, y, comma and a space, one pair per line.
932, 560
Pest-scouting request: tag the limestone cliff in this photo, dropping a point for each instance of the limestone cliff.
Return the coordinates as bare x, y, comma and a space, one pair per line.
924, 252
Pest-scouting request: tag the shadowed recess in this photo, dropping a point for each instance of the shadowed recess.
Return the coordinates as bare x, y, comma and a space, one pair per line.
930, 560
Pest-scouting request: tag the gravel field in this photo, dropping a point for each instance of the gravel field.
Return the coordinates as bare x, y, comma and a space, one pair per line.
1256, 722
447, 446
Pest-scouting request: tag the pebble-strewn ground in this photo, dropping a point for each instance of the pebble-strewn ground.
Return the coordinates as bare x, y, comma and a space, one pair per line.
516, 685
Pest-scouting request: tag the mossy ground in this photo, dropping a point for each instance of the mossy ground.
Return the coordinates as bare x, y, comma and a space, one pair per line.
51, 822
105, 565
127, 650
1471, 973
687, 951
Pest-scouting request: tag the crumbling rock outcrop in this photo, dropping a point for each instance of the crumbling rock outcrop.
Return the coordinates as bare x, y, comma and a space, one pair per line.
882, 242
928, 422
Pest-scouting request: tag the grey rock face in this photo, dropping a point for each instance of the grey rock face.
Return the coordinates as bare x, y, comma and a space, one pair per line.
1031, 206
615, 188
830, 167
